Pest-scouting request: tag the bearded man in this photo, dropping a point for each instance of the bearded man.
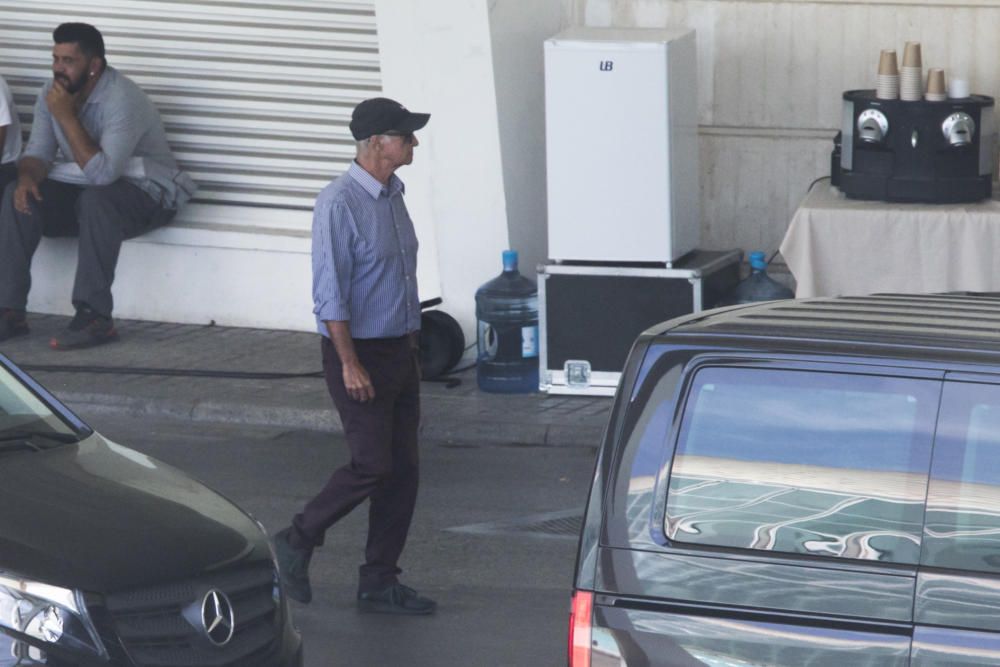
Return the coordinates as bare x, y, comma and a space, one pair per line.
97, 166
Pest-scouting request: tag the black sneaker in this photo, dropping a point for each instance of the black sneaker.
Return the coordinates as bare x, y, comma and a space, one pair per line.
396, 599
86, 329
293, 567
13, 323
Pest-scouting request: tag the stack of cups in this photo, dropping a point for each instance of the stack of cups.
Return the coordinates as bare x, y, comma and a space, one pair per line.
935, 86
911, 79
887, 87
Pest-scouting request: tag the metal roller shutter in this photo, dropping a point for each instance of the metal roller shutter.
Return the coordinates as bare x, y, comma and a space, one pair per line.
255, 94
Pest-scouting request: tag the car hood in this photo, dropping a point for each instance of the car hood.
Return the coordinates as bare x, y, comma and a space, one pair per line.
104, 518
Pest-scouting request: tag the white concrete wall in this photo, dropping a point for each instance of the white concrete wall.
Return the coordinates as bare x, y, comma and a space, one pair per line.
771, 75
518, 29
436, 58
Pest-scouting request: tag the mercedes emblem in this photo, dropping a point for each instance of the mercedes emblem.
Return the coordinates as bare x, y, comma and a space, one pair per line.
217, 618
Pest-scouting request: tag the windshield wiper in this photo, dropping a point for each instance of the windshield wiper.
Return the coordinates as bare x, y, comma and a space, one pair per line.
28, 436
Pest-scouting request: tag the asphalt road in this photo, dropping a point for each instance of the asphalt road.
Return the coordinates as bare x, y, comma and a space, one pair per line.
502, 588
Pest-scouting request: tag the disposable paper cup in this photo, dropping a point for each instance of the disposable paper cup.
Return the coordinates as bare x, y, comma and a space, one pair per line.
935, 81
936, 97
887, 63
958, 88
911, 55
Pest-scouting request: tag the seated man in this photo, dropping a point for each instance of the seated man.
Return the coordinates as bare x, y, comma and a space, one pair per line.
97, 166
10, 136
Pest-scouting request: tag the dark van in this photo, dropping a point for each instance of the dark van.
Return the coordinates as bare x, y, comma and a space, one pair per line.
110, 557
797, 483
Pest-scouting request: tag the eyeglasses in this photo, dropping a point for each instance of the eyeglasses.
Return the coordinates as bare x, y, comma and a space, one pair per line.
407, 136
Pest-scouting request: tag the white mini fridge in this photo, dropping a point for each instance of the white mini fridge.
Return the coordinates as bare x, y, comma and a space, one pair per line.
621, 139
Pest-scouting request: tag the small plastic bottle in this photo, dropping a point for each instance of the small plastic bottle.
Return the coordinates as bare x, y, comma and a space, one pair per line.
758, 286
507, 341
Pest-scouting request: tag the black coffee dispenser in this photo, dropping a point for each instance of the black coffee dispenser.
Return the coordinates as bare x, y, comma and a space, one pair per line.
920, 151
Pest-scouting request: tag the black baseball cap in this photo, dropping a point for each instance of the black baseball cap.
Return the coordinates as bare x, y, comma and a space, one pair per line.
379, 115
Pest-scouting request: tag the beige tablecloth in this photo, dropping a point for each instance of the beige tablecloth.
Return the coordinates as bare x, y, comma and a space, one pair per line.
839, 246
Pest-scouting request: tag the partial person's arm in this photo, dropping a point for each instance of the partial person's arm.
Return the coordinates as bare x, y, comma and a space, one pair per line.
3, 135
333, 264
356, 378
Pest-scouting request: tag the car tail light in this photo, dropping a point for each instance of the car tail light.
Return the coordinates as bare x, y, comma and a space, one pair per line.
580, 615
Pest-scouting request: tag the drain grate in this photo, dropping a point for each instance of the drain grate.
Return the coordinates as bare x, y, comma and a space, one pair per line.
563, 525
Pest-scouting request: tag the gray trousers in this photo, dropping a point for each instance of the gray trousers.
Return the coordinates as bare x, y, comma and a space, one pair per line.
102, 216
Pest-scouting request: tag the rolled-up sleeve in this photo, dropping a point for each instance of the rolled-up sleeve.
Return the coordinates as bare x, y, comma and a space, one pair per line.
333, 263
42, 143
119, 138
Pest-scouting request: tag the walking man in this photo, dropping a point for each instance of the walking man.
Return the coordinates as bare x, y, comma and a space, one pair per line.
364, 258
97, 166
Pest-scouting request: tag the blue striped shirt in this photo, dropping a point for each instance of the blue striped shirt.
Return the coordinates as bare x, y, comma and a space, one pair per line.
364, 257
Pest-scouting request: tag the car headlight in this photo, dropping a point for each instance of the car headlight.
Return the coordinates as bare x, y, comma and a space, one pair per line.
49, 614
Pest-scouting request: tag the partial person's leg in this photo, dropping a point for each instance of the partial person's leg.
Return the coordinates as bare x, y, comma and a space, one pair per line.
109, 215
392, 503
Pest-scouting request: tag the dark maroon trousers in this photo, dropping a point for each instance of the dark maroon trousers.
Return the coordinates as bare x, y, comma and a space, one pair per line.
382, 437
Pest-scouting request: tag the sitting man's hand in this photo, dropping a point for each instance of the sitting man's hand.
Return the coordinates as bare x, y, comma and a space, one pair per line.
26, 187
61, 102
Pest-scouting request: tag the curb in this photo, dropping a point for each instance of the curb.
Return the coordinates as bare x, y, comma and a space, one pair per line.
314, 419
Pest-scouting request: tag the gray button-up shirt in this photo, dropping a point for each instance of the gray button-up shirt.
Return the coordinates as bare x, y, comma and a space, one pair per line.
123, 121
364, 257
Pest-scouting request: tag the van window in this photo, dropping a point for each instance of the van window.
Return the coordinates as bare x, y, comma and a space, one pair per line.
803, 462
963, 503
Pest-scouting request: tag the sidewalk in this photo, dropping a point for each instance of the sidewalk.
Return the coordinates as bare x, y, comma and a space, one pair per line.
461, 414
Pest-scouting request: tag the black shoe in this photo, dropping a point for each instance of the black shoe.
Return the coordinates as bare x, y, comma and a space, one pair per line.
13, 323
396, 599
86, 329
293, 567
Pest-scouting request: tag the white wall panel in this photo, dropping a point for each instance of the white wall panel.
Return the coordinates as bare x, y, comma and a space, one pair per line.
255, 96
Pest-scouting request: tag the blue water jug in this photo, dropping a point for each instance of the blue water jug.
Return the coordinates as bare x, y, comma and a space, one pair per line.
758, 286
507, 340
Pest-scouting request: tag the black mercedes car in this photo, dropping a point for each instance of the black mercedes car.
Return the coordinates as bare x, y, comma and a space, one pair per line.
110, 557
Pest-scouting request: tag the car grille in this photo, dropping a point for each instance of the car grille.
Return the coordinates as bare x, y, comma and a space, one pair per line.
154, 627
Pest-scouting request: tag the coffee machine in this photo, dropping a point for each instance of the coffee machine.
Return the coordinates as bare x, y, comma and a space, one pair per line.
914, 151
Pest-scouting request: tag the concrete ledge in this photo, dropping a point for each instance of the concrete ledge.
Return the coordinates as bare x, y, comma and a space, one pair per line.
479, 432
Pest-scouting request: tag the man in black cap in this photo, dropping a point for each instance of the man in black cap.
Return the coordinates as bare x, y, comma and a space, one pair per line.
364, 259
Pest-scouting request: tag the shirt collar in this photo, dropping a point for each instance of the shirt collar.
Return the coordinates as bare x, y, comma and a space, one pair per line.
371, 184
100, 90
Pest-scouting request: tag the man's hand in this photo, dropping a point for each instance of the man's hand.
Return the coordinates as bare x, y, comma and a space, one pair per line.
358, 383
26, 187
61, 102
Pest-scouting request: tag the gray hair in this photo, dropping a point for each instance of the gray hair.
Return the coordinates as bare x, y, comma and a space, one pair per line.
363, 145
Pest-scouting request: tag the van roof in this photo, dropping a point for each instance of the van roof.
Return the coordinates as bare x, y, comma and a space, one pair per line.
965, 321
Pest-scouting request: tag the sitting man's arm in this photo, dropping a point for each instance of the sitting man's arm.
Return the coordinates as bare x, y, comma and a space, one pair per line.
102, 163
62, 106
30, 173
